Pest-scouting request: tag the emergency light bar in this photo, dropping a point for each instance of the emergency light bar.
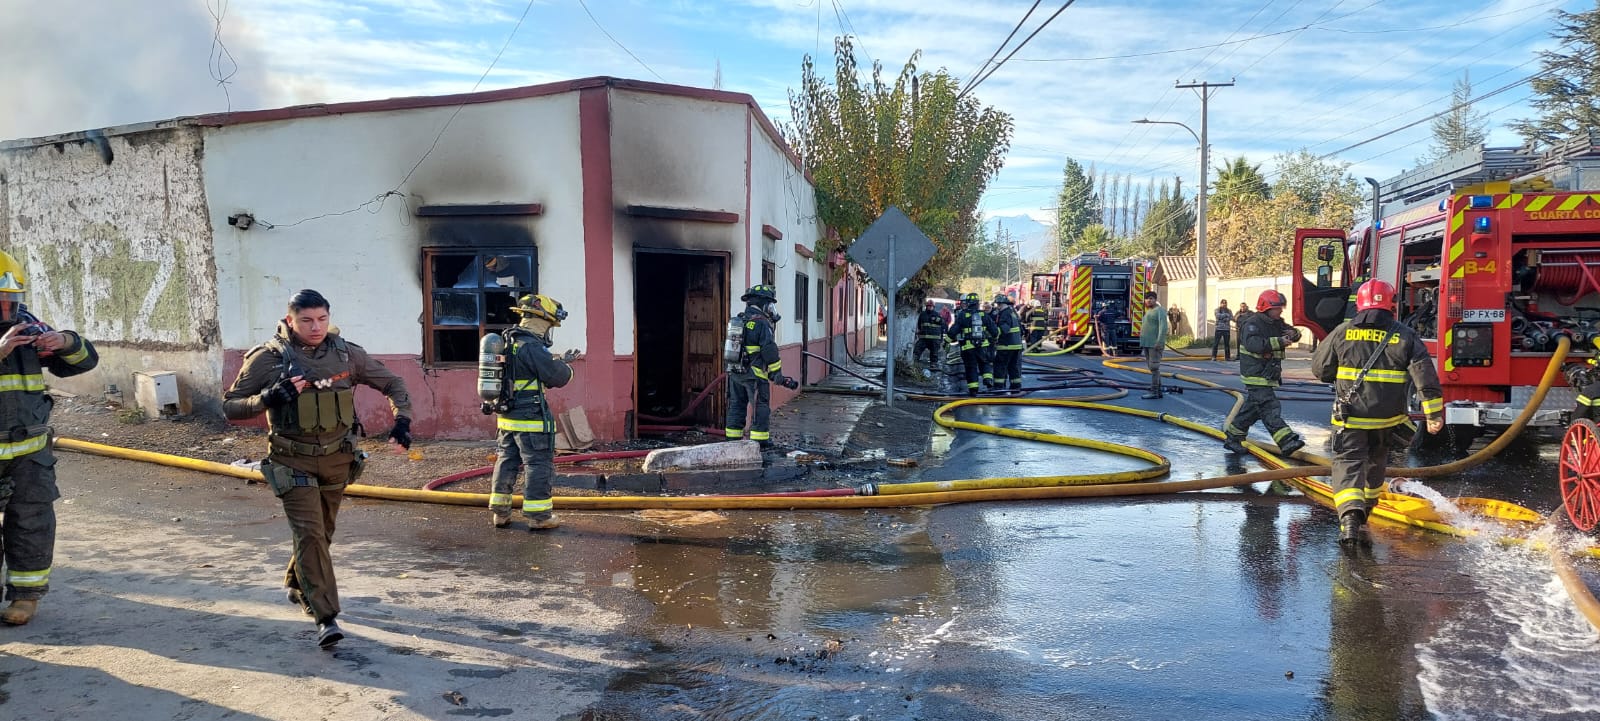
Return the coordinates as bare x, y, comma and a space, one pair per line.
1482, 202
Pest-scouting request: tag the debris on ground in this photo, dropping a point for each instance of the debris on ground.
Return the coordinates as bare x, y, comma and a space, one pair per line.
681, 518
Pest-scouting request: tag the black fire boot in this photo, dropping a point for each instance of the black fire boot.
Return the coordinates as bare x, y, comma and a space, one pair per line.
1293, 444
1352, 529
1234, 446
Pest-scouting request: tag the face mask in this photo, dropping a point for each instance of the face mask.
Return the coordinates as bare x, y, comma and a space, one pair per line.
771, 309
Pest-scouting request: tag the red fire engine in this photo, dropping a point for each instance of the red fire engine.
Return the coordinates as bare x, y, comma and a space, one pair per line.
1090, 286
1495, 255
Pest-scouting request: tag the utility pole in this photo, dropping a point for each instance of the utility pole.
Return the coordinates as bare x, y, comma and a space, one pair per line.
1202, 311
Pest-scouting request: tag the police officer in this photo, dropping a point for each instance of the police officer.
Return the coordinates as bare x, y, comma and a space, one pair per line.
971, 331
27, 465
525, 426
1008, 345
930, 334
1261, 347
304, 379
1223, 335
1370, 358
1037, 320
750, 383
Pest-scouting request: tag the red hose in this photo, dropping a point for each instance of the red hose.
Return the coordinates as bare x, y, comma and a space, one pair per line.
441, 482
819, 493
689, 409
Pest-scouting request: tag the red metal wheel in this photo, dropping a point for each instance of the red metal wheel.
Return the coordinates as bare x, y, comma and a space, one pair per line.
1580, 474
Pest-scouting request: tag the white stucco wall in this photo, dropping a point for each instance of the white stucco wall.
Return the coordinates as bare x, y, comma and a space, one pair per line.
119, 251
368, 262
675, 152
781, 197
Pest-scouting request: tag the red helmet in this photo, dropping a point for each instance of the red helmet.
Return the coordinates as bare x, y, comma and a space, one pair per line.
1375, 294
928, 304
1270, 299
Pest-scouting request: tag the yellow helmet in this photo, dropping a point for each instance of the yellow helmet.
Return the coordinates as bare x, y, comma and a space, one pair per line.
540, 306
13, 288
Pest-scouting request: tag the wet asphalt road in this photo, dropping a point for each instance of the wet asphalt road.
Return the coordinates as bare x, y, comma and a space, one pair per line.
1232, 604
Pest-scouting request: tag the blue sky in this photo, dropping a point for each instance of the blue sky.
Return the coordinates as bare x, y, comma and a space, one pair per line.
1320, 74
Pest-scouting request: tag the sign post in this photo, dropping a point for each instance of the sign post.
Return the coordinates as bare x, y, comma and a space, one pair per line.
890, 251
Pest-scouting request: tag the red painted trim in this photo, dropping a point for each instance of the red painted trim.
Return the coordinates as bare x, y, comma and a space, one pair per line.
666, 213
599, 217
772, 232
803, 251
749, 161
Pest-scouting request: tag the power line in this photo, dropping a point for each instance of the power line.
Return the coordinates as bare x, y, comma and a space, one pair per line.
1002, 46
617, 42
997, 66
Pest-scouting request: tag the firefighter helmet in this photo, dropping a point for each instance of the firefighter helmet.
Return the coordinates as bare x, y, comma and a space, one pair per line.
1270, 298
1375, 294
1034, 303
762, 295
1002, 299
540, 306
13, 288
971, 300
928, 304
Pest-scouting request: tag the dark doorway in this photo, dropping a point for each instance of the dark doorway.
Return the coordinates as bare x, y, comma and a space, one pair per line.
680, 313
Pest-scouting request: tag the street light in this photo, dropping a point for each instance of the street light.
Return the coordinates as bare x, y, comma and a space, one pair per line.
1200, 225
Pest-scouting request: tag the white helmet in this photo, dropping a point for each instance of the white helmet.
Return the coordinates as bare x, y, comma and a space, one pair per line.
1033, 303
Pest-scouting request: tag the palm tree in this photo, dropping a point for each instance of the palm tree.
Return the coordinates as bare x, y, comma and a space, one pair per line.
1238, 179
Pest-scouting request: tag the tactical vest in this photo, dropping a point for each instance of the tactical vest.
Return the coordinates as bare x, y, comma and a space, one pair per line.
316, 411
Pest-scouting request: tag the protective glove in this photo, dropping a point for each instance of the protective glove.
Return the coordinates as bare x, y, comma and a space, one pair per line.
1435, 424
1292, 335
789, 383
571, 355
279, 394
401, 432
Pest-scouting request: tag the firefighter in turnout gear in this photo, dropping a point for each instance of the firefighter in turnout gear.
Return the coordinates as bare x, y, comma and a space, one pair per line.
930, 334
750, 380
1008, 345
1263, 339
1370, 358
1586, 378
304, 379
1037, 320
525, 426
972, 330
28, 489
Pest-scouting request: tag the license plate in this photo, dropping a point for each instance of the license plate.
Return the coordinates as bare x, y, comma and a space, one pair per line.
1483, 316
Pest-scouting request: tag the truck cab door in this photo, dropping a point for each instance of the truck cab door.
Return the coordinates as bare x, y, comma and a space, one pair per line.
1319, 300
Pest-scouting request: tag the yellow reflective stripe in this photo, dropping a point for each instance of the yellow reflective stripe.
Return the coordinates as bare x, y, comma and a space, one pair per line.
733, 432
23, 448
1275, 342
512, 424
1372, 494
1376, 375
1369, 424
525, 385
1349, 495
1232, 429
1242, 351
775, 366
1537, 204
79, 355
760, 373
28, 579
543, 506
1258, 381
760, 435
22, 382
1282, 433
1433, 406
500, 499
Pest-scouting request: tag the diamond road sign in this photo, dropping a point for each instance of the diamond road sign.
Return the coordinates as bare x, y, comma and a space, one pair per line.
895, 232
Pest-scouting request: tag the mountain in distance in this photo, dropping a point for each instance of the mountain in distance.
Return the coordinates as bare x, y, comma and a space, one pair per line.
1032, 237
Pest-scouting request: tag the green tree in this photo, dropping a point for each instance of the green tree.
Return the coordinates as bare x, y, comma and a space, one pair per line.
1239, 179
872, 143
1316, 182
1077, 205
1168, 227
984, 257
1462, 127
1566, 91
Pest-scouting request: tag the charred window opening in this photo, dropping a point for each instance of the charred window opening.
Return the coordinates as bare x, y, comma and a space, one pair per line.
471, 292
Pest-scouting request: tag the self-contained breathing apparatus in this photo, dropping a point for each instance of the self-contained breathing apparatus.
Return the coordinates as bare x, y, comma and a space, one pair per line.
492, 371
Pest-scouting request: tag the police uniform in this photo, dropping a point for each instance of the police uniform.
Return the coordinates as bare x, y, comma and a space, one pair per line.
1261, 349
525, 428
311, 445
1366, 414
971, 331
930, 336
750, 382
27, 466
1008, 347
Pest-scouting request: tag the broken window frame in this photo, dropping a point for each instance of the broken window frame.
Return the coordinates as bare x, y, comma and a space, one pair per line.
431, 348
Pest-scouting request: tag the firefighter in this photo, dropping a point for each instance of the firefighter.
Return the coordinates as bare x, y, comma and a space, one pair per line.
1239, 318
993, 335
1586, 378
525, 426
1261, 349
1008, 345
1037, 321
27, 466
930, 334
1370, 358
750, 383
1223, 335
971, 331
304, 379
1153, 341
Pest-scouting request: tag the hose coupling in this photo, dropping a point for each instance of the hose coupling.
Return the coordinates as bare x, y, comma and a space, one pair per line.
867, 489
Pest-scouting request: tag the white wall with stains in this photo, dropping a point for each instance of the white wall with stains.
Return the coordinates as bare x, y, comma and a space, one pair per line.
112, 232
780, 196
310, 180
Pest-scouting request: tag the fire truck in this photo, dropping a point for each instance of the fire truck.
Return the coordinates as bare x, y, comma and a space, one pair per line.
1495, 256
1082, 288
